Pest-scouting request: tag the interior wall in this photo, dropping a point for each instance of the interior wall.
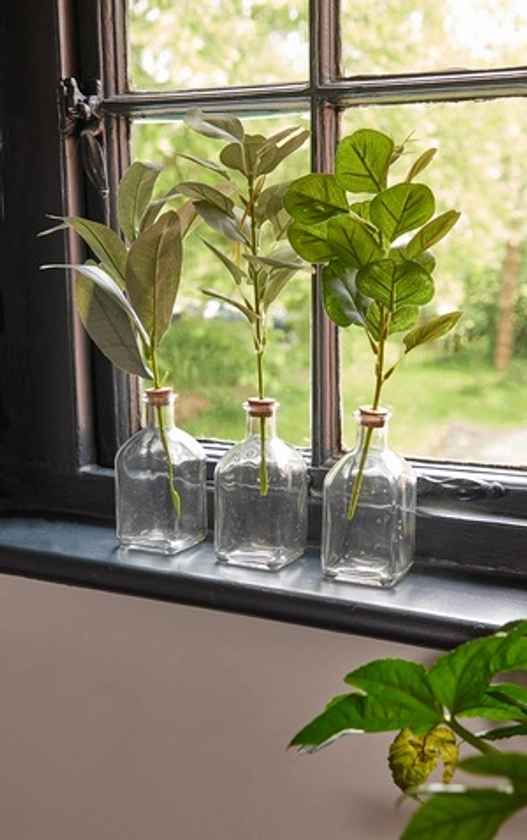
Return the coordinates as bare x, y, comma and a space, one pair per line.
127, 719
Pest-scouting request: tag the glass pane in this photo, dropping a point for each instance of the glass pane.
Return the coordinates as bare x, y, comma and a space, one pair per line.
209, 350
403, 36
216, 43
464, 396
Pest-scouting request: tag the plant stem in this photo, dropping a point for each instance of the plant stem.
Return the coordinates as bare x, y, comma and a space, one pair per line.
469, 737
174, 495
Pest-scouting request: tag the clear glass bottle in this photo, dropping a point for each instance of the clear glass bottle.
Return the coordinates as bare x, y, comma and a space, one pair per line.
375, 544
258, 527
160, 505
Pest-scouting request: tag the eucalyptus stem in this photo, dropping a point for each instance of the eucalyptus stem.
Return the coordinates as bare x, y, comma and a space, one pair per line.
174, 495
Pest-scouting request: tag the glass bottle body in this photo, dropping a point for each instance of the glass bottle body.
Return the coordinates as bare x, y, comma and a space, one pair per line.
160, 503
257, 526
375, 543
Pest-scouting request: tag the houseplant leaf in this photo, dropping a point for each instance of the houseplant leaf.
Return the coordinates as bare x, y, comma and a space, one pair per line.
134, 195
431, 330
401, 208
343, 302
352, 242
362, 161
222, 127
395, 284
431, 233
462, 814
278, 147
313, 199
105, 244
310, 243
153, 273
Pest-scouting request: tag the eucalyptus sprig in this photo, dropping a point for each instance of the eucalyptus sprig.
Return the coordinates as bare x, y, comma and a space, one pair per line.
125, 295
250, 214
373, 238
427, 706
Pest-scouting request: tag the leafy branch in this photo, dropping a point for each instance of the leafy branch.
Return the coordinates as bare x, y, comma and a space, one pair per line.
375, 277
251, 216
427, 705
125, 296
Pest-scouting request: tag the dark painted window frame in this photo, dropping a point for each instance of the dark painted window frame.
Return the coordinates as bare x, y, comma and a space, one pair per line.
63, 410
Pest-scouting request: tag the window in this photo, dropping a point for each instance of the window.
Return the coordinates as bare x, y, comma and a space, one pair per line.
334, 64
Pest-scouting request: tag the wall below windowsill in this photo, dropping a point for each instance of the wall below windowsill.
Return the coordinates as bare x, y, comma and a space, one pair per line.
434, 606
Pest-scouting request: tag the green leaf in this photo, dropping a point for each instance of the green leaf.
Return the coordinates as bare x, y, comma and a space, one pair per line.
511, 765
220, 126
245, 157
469, 814
153, 273
421, 163
310, 243
229, 224
341, 716
396, 284
134, 195
431, 330
108, 323
203, 192
401, 320
343, 303
398, 692
352, 242
431, 233
402, 208
105, 244
461, 677
313, 199
237, 273
274, 150
250, 314
362, 161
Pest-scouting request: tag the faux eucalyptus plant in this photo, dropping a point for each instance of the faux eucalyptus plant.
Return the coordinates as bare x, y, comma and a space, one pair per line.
426, 706
249, 213
125, 294
372, 235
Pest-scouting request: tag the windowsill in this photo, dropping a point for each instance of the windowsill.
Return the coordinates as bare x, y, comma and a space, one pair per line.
434, 606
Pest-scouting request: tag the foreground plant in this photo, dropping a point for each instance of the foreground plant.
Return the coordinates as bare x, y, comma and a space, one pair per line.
427, 705
373, 239
125, 296
251, 216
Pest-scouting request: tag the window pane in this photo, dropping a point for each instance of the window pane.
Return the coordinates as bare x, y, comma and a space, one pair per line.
216, 43
209, 350
396, 36
462, 397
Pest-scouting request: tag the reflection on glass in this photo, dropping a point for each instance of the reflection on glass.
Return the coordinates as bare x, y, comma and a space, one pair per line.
462, 398
216, 43
209, 350
403, 36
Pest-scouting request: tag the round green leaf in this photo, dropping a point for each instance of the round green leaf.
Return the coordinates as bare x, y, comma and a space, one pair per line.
363, 160
313, 199
401, 208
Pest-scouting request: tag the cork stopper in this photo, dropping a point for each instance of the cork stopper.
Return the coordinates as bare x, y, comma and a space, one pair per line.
156, 397
261, 407
373, 418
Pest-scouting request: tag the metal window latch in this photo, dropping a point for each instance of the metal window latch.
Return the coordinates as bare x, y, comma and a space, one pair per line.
81, 117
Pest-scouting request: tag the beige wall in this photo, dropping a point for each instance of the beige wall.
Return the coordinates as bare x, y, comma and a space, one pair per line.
126, 719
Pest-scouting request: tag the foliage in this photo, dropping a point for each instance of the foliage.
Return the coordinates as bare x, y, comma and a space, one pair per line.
375, 277
426, 705
250, 215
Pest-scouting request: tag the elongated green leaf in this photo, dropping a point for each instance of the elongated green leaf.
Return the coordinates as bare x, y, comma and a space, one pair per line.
421, 163
237, 273
396, 284
105, 244
219, 126
402, 208
153, 273
343, 303
431, 330
243, 157
281, 257
500, 732
431, 233
134, 195
462, 815
277, 279
250, 314
352, 242
275, 150
229, 224
511, 765
270, 207
362, 161
203, 192
109, 325
205, 164
310, 243
461, 678
313, 199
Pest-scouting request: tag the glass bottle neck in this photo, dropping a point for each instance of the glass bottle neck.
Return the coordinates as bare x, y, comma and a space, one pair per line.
261, 412
159, 407
372, 425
